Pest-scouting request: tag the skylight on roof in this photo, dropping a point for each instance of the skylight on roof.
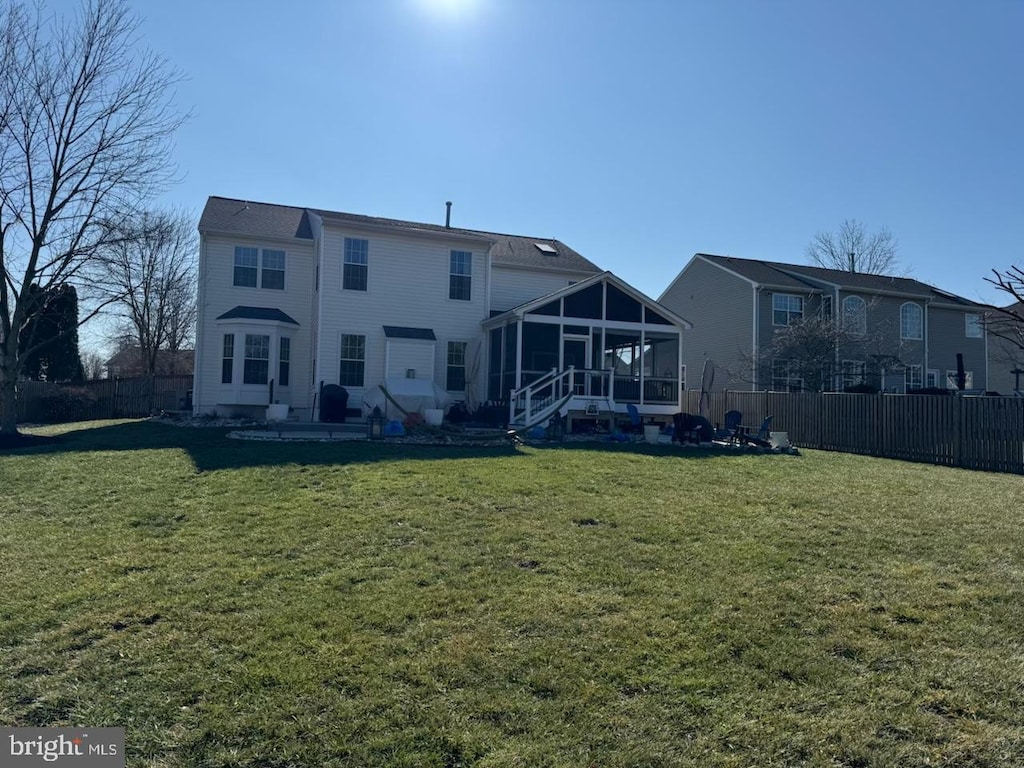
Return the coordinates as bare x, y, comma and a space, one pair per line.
545, 248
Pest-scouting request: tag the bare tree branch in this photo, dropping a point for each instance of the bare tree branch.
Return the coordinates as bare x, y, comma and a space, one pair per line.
86, 119
851, 249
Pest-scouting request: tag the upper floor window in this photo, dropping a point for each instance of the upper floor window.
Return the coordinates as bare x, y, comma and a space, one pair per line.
273, 270
911, 326
973, 327
825, 312
787, 309
250, 271
356, 266
246, 266
855, 315
256, 369
460, 275
456, 378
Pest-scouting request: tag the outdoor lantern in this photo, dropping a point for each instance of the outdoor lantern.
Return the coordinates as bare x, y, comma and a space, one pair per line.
375, 424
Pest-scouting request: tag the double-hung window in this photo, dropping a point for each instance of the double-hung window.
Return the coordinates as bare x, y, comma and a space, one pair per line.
353, 360
951, 380
227, 362
853, 373
460, 275
855, 315
911, 325
973, 327
356, 266
273, 270
912, 377
787, 309
251, 270
786, 377
247, 262
456, 379
257, 359
284, 358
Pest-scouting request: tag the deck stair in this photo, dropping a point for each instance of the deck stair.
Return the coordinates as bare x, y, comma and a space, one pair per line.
558, 392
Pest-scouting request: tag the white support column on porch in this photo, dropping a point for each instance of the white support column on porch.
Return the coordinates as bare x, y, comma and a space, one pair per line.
519, 353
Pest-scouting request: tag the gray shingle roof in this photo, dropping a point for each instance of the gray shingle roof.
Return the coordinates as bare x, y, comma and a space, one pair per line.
231, 216
769, 272
241, 217
257, 313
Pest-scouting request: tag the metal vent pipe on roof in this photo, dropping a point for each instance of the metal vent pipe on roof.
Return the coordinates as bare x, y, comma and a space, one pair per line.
448, 215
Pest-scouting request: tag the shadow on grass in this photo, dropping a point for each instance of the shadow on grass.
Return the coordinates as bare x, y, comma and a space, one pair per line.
210, 449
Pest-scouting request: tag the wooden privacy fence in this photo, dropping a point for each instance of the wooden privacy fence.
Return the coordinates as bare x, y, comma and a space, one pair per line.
40, 401
971, 432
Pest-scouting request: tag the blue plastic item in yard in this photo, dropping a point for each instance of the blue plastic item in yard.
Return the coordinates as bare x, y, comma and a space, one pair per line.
394, 428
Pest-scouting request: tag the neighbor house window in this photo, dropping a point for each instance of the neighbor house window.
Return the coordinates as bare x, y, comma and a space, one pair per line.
456, 366
826, 308
912, 378
227, 358
284, 359
356, 266
257, 359
785, 377
911, 326
460, 275
932, 378
855, 315
273, 270
353, 360
246, 266
951, 382
853, 373
973, 327
787, 309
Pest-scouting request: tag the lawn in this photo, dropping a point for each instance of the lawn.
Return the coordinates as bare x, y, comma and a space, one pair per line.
260, 604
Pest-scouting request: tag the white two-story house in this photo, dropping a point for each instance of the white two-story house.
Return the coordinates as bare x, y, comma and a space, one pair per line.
293, 298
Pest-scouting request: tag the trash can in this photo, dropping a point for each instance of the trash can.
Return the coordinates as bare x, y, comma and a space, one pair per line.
333, 404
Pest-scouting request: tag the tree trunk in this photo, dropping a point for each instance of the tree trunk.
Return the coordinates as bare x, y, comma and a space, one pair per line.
8, 402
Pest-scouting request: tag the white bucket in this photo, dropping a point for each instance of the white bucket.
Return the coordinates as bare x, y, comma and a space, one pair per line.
780, 439
651, 433
433, 416
277, 412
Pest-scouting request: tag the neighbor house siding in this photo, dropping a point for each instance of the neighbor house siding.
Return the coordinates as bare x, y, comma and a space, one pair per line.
512, 287
720, 306
1003, 357
407, 285
947, 337
219, 295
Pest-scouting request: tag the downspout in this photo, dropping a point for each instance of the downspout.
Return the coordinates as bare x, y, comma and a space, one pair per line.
753, 387
519, 352
924, 329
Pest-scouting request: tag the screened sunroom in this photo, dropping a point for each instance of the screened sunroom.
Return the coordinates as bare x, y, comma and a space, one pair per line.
595, 346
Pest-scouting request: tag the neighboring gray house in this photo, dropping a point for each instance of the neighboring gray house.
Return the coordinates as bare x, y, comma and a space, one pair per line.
911, 331
1005, 352
294, 297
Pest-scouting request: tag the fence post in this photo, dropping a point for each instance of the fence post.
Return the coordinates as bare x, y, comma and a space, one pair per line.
821, 420
958, 436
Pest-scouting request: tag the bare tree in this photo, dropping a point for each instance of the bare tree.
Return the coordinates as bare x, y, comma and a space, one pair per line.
85, 123
1007, 323
93, 364
851, 249
152, 271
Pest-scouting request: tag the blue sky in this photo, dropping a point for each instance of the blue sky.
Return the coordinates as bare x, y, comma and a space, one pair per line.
637, 132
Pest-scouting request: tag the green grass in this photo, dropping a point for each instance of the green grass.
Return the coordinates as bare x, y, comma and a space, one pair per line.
260, 604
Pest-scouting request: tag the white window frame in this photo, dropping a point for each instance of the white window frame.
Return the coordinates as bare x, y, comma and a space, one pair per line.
850, 370
259, 267
932, 378
951, 379
460, 267
855, 321
449, 366
974, 328
362, 360
904, 333
790, 381
243, 254
910, 381
783, 302
284, 361
249, 345
266, 255
355, 248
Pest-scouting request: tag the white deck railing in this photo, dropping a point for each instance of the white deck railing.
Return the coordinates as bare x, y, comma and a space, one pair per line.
541, 398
